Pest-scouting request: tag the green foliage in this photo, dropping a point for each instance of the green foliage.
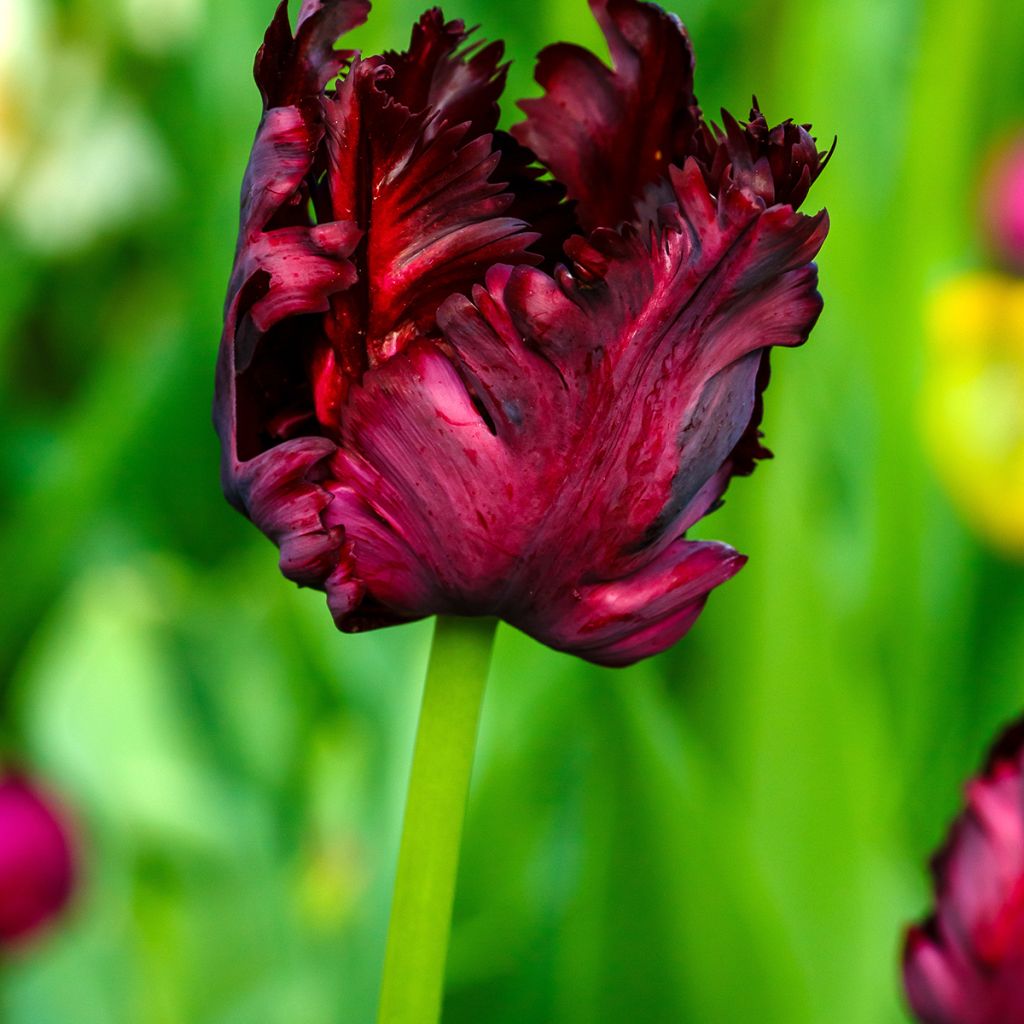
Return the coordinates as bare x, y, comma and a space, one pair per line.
734, 831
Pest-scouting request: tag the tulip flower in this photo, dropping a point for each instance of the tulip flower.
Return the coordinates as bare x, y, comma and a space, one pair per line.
452, 384
443, 388
36, 860
965, 963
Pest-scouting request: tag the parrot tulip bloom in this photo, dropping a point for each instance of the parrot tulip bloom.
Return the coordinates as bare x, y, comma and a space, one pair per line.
36, 861
965, 964
448, 384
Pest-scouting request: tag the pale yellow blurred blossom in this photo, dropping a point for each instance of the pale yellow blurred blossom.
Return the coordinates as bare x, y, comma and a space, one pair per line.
78, 159
21, 28
974, 401
333, 872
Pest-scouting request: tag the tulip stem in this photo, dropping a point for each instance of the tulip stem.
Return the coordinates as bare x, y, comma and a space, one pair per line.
428, 859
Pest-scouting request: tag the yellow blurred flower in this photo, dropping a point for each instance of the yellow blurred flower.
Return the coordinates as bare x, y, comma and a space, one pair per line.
973, 408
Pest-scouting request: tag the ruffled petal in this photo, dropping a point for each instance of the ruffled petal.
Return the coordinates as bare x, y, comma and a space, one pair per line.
621, 621
291, 68
535, 446
461, 82
778, 164
669, 325
547, 470
423, 187
444, 72
610, 135
934, 992
285, 268
605, 134
282, 492
965, 964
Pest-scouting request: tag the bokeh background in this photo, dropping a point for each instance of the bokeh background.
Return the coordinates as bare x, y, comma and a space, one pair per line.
734, 831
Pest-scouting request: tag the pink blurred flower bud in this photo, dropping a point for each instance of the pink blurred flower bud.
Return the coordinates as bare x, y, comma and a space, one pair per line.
1002, 204
36, 859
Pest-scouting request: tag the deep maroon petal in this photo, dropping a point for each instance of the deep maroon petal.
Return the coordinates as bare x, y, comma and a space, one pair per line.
289, 69
605, 134
965, 964
300, 269
778, 164
621, 621
442, 71
282, 491
403, 148
423, 189
538, 200
461, 82
610, 135
425, 422
284, 266
547, 474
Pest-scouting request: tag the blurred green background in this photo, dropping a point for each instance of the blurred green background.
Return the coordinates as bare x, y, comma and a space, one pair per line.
734, 831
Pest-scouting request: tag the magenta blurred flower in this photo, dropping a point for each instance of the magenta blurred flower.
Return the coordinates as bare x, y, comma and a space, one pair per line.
36, 860
424, 409
1002, 204
965, 963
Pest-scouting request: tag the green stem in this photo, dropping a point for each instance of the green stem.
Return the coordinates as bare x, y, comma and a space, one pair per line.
435, 807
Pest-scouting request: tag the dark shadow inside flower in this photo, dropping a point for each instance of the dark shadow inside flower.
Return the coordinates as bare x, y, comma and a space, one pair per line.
425, 407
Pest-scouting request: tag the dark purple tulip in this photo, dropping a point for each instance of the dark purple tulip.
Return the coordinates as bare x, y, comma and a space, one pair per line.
36, 861
425, 408
965, 963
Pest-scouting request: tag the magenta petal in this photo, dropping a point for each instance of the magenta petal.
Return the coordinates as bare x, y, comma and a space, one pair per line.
37, 869
934, 991
1002, 204
605, 134
965, 965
